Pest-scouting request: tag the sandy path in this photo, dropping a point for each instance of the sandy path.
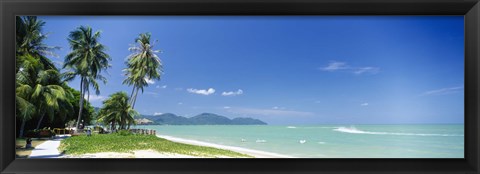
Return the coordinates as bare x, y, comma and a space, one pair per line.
48, 149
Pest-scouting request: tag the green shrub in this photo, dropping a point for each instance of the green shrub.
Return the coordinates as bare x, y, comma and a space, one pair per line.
40, 133
99, 129
124, 133
117, 143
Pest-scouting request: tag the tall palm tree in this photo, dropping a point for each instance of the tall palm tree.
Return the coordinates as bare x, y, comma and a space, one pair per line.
117, 110
30, 40
38, 87
87, 59
142, 65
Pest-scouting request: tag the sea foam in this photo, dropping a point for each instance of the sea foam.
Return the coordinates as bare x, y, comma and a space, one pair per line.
354, 130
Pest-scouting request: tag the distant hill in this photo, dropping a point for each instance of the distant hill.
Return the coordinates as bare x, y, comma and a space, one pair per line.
201, 119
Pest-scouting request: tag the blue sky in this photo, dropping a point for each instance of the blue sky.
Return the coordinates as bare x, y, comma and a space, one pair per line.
290, 70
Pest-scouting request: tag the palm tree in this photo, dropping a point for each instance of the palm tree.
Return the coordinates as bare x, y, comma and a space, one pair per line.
29, 45
25, 79
48, 94
117, 110
43, 88
30, 38
87, 60
142, 65
25, 108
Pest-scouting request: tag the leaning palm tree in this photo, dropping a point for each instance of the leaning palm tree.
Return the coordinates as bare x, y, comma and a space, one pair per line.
142, 65
30, 40
91, 81
48, 94
87, 59
117, 110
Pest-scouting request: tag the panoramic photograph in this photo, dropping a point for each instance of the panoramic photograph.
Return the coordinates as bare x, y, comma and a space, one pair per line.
239, 87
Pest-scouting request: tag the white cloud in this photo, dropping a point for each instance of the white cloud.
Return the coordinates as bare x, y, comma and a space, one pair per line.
163, 87
233, 93
150, 81
180, 103
344, 67
157, 113
201, 91
96, 98
364, 104
334, 66
444, 91
370, 70
226, 107
269, 112
278, 108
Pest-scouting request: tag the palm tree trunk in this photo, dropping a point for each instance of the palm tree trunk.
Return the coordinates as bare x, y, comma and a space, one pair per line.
131, 95
122, 122
113, 126
135, 99
40, 121
81, 103
21, 129
88, 95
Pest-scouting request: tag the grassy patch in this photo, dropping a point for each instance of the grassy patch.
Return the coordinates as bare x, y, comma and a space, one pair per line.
21, 151
128, 143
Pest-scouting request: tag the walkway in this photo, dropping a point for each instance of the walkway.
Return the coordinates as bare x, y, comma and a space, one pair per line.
48, 149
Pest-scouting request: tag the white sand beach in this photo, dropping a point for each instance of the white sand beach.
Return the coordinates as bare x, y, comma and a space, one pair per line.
134, 154
255, 153
54, 153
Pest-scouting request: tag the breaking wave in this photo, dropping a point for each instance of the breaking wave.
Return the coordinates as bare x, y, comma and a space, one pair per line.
354, 130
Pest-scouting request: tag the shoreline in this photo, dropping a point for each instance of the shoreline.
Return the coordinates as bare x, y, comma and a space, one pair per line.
254, 153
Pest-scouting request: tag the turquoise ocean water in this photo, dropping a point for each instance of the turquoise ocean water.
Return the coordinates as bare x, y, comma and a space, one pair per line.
332, 141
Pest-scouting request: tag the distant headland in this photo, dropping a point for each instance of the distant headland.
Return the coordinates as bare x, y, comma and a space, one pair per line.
200, 119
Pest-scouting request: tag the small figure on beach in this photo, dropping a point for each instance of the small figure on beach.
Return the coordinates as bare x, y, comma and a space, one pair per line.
89, 132
29, 143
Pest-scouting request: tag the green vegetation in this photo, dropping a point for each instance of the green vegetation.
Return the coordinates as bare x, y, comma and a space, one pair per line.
42, 90
87, 59
201, 119
40, 133
142, 65
39, 88
116, 110
122, 142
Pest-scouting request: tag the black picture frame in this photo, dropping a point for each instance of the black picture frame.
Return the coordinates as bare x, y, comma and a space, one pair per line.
10, 8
